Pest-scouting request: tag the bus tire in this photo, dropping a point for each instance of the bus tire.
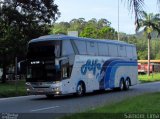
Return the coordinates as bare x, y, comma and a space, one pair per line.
121, 85
127, 84
80, 89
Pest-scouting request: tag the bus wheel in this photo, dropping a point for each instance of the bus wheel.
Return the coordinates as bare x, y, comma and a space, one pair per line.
121, 85
80, 89
126, 86
50, 96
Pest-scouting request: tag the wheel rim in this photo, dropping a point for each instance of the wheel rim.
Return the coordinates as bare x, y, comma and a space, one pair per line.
80, 89
121, 85
127, 84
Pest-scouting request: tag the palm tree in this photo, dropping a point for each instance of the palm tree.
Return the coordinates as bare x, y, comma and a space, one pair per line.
150, 23
136, 6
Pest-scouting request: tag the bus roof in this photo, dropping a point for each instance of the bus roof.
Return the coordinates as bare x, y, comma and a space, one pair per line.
65, 37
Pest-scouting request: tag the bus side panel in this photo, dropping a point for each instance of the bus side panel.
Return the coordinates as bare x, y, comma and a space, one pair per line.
126, 72
86, 70
115, 69
101, 72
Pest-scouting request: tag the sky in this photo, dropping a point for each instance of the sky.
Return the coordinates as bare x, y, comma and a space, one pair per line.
107, 9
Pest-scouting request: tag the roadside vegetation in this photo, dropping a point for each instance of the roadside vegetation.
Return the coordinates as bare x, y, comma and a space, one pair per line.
12, 89
152, 78
143, 104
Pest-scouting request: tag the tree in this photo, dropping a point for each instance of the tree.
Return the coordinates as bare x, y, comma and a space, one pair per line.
103, 23
92, 29
136, 6
77, 25
20, 21
89, 32
149, 23
60, 28
107, 32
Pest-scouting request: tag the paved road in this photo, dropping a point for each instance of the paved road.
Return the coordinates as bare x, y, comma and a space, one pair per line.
34, 105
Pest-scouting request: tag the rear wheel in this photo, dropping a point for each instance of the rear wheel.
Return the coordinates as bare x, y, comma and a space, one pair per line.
126, 87
121, 85
80, 89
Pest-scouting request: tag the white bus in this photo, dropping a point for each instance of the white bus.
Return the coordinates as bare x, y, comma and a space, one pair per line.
60, 64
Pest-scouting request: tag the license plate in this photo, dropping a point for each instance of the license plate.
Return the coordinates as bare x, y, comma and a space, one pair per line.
40, 90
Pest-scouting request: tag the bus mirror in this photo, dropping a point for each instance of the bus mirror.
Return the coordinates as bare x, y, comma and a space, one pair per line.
21, 67
60, 61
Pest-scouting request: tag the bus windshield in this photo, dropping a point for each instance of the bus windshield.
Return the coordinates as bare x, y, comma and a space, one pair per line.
43, 73
44, 49
41, 61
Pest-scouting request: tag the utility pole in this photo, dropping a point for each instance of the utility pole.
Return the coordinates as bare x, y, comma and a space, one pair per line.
118, 20
16, 79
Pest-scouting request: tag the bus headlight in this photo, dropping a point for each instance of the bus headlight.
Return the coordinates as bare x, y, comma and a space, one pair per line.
28, 84
56, 89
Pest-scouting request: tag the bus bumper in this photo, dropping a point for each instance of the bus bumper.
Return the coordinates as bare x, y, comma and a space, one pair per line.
43, 90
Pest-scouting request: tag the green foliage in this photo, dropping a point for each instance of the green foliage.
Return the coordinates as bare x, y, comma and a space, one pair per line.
9, 89
89, 32
142, 55
141, 44
138, 104
153, 77
146, 105
100, 29
149, 22
92, 29
21, 21
157, 55
60, 28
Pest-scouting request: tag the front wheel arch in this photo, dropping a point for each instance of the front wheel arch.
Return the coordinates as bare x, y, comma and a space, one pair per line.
81, 88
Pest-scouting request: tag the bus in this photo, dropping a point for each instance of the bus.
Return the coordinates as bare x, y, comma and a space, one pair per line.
61, 64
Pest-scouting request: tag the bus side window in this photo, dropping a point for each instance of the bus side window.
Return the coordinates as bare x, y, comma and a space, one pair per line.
134, 52
113, 50
122, 51
102, 49
67, 48
129, 52
92, 48
81, 46
64, 72
67, 64
66, 69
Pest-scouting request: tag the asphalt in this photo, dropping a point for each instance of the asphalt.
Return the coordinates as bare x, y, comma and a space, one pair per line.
39, 107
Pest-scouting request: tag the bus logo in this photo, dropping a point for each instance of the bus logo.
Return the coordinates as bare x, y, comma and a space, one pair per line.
91, 65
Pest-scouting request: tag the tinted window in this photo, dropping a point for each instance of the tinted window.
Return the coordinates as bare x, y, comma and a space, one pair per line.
103, 49
129, 51
92, 48
44, 49
67, 48
113, 50
134, 52
122, 50
81, 46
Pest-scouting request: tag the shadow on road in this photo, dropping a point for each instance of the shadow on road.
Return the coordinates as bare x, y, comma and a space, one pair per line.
72, 96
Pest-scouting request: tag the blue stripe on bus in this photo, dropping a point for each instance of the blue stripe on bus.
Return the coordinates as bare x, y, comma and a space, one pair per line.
110, 67
111, 77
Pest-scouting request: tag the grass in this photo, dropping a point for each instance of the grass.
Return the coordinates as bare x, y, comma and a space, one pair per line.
9, 89
144, 104
153, 77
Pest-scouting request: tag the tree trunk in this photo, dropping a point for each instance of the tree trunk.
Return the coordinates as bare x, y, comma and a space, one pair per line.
149, 38
4, 68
